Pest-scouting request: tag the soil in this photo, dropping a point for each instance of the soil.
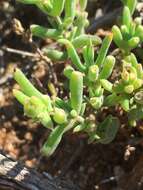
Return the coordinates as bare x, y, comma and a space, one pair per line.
91, 166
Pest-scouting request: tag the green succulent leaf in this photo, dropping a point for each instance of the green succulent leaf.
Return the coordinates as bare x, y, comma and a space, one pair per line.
70, 9
108, 129
58, 7
107, 67
29, 90
53, 141
73, 54
76, 90
103, 50
131, 4
83, 4
84, 39
43, 32
127, 19
136, 114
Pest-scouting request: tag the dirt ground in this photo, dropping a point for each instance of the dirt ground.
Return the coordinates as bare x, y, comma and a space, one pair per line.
91, 166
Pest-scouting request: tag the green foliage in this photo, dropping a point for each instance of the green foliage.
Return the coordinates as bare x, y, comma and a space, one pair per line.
106, 131
91, 83
130, 34
131, 4
42, 108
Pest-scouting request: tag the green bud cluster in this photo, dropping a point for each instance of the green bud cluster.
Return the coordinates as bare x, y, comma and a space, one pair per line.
125, 91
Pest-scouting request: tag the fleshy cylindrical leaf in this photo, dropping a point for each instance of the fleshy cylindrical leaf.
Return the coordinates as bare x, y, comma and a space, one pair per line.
70, 9
55, 55
73, 54
125, 32
137, 83
106, 85
107, 67
20, 96
117, 36
133, 42
139, 32
76, 90
83, 4
125, 104
131, 4
84, 39
58, 7
127, 19
53, 140
81, 22
29, 89
103, 50
43, 32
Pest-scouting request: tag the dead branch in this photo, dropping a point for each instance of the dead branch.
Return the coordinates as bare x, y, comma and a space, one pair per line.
14, 175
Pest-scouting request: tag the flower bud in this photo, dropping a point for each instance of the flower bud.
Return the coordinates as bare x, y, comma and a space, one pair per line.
33, 106
93, 73
74, 113
129, 89
125, 75
133, 123
133, 77
60, 116
68, 71
96, 102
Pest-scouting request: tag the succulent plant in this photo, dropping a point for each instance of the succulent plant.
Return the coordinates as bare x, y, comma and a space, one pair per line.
89, 74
